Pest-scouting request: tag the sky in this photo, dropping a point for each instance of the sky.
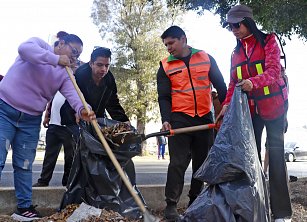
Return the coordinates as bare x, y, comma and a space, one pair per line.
22, 19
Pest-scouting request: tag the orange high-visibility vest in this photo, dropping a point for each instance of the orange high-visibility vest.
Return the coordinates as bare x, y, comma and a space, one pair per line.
190, 87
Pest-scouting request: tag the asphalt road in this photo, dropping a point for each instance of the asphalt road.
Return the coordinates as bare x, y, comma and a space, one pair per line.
149, 171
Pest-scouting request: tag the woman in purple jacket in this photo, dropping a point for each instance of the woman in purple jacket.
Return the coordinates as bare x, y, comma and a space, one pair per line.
36, 75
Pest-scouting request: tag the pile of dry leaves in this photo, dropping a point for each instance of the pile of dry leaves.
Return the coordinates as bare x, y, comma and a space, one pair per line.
298, 191
118, 133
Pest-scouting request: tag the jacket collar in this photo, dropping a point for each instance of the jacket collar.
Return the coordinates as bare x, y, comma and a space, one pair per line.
248, 40
172, 58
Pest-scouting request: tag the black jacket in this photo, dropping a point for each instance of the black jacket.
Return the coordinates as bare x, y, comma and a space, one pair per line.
102, 97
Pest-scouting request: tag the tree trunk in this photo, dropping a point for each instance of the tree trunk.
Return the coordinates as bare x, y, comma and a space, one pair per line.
141, 129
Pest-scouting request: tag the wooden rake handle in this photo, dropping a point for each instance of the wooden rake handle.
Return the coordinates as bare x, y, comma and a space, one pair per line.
173, 132
106, 146
191, 129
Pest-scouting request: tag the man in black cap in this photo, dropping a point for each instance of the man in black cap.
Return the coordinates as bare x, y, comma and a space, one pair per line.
255, 66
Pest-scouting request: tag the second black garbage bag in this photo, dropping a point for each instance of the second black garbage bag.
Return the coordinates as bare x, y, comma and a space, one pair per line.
236, 188
93, 178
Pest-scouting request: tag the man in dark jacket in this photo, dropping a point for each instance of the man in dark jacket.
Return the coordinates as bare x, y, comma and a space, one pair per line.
98, 86
184, 82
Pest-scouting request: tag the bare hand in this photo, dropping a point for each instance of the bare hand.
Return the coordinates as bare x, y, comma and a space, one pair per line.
246, 85
166, 126
222, 113
46, 121
87, 116
64, 60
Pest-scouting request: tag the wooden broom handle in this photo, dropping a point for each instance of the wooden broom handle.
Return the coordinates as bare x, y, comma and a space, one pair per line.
106, 145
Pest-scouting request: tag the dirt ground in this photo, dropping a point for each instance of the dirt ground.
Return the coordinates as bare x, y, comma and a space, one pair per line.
298, 190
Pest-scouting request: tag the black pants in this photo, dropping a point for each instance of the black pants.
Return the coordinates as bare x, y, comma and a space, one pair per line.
56, 136
279, 191
183, 148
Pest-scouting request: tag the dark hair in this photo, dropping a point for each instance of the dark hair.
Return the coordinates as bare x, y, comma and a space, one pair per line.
259, 35
100, 52
60, 35
173, 32
67, 38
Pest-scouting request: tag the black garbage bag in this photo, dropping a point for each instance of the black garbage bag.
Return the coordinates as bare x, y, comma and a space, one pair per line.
93, 178
209, 206
233, 152
236, 188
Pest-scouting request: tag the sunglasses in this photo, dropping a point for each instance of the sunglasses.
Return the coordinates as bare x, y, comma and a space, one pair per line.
74, 51
232, 26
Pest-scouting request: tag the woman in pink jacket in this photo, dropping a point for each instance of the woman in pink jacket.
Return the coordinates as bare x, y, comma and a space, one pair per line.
255, 67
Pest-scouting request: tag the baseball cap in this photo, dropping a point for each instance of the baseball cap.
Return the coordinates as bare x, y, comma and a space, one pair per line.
238, 13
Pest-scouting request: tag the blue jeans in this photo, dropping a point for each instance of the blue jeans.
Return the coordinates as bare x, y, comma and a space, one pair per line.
20, 131
161, 150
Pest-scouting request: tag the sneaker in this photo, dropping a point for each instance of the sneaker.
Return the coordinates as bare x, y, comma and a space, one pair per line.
283, 220
26, 214
171, 213
39, 184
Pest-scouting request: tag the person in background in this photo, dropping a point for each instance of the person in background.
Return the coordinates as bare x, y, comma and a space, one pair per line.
161, 142
184, 82
31, 82
59, 133
256, 68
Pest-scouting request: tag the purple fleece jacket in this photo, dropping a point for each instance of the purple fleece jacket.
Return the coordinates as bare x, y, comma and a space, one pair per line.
34, 79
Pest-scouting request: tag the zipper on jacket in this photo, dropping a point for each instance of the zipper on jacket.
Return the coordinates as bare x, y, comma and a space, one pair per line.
194, 94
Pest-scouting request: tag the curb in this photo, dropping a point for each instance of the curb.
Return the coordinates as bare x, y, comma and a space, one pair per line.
48, 199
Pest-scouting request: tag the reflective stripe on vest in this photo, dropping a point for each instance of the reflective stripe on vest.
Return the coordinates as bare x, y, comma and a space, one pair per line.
190, 89
259, 71
239, 72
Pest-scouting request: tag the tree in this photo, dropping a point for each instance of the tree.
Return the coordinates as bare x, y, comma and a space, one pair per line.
134, 27
285, 17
